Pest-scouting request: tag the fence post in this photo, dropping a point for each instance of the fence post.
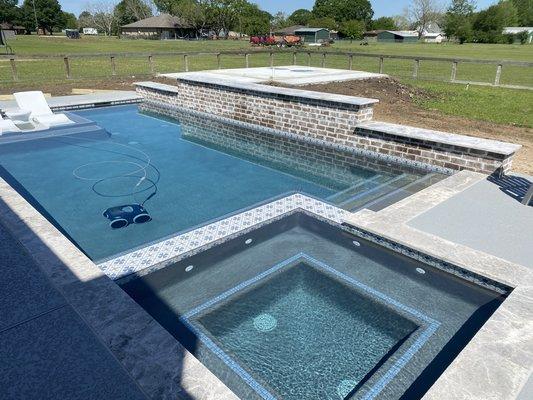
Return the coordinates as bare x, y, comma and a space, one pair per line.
14, 69
416, 68
308, 58
454, 71
350, 62
271, 59
219, 65
323, 64
247, 60
381, 61
186, 62
113, 66
498, 75
293, 58
67, 66
151, 63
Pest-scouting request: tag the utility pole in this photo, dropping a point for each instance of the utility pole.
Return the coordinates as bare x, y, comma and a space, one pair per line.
35, 16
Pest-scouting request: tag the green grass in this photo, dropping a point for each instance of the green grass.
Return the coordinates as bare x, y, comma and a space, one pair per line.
486, 103
504, 106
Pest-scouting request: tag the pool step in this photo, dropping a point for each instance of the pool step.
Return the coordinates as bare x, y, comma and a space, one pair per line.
403, 192
360, 187
358, 201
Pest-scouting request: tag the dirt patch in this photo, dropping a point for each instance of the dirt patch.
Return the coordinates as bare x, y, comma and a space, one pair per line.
397, 104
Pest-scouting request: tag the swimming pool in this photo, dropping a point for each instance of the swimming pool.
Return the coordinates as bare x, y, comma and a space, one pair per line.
301, 308
183, 175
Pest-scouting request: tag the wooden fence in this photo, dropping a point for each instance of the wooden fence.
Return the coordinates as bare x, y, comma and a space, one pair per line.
41, 68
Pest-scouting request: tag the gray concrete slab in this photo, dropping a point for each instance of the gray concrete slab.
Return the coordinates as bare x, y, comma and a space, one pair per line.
486, 218
56, 356
24, 290
290, 75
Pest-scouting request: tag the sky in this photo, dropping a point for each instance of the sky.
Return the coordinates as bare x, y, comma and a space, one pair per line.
381, 7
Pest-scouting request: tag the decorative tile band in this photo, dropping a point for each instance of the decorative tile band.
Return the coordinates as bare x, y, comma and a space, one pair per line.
95, 104
184, 245
430, 325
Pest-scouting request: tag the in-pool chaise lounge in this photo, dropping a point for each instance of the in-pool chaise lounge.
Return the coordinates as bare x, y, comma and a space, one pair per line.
6, 126
40, 111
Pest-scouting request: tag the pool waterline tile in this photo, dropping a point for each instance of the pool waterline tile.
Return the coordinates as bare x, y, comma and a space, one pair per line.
429, 325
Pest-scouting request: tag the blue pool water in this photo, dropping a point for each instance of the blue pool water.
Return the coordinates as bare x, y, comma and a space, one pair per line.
182, 181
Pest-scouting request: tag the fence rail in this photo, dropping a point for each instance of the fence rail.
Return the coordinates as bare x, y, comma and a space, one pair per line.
39, 68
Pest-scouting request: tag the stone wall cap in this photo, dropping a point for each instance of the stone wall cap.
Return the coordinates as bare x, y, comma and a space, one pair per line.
452, 139
273, 90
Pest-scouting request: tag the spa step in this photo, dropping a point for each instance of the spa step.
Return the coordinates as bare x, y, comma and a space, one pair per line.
358, 201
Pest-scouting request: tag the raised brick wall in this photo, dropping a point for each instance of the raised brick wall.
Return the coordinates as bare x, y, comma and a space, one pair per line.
339, 120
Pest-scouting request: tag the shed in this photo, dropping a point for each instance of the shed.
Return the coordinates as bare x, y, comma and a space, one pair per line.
313, 35
515, 30
372, 36
398, 36
163, 26
11, 30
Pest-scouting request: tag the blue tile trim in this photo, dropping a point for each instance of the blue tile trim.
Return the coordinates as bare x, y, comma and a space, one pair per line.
430, 324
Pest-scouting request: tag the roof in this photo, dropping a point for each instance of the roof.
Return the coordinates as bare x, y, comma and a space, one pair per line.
375, 32
404, 33
8, 26
314, 30
289, 30
518, 29
159, 21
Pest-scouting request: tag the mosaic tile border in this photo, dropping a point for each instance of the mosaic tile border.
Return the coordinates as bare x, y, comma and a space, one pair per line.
430, 325
385, 158
430, 260
96, 105
165, 252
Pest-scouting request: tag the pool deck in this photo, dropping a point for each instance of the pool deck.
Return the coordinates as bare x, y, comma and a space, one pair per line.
288, 75
93, 341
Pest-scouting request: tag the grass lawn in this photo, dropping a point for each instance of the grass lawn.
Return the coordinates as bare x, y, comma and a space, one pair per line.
499, 105
486, 103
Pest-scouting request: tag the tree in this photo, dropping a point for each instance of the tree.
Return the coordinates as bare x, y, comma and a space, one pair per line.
301, 17
128, 11
344, 10
401, 22
385, 23
9, 12
353, 29
422, 13
254, 21
458, 20
488, 24
525, 12
47, 12
279, 20
103, 17
85, 20
193, 13
71, 22
223, 15
324, 22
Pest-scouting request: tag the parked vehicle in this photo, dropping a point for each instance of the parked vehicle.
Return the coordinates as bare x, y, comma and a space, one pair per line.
279, 41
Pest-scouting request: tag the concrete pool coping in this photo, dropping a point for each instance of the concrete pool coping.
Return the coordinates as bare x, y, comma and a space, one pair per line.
496, 361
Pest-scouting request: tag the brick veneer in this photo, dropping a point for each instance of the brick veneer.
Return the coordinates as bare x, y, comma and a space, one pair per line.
340, 120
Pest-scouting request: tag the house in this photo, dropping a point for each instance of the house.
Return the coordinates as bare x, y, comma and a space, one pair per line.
163, 26
372, 36
515, 30
11, 30
433, 37
313, 35
288, 31
398, 36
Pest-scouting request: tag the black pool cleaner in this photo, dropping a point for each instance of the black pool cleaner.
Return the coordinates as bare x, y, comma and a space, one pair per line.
122, 216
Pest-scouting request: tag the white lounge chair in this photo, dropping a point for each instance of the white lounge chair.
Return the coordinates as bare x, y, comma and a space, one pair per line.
40, 111
6, 126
